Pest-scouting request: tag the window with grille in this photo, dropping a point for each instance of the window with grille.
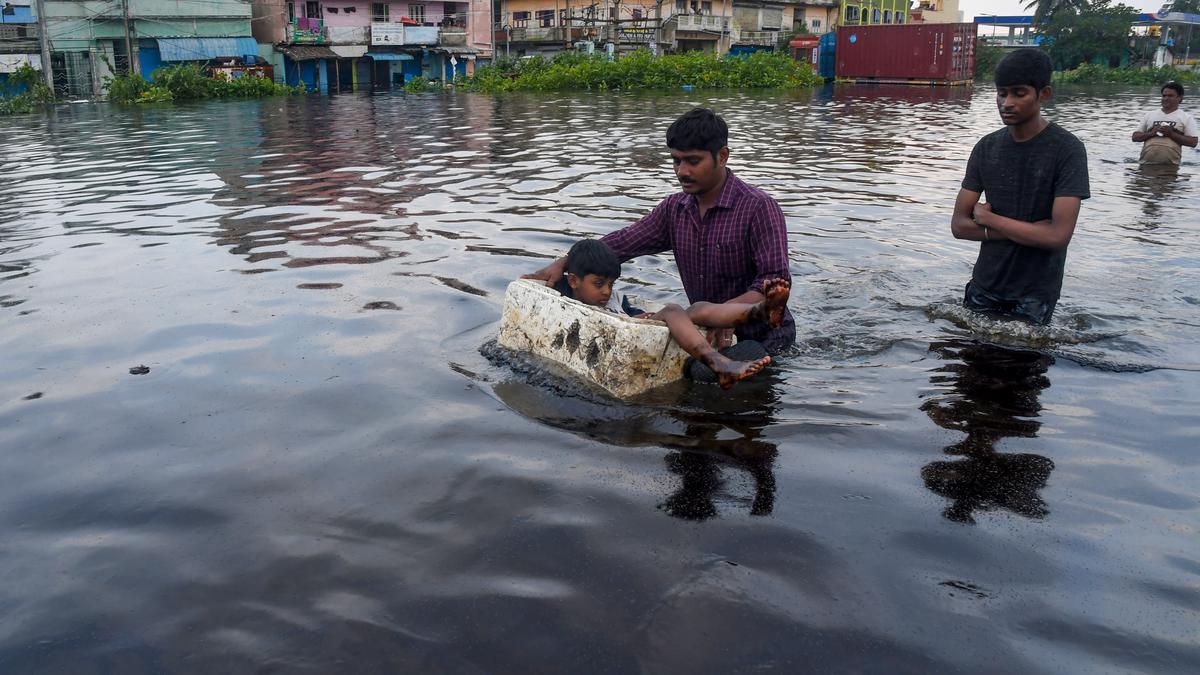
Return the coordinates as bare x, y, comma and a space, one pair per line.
312, 10
545, 18
379, 12
417, 13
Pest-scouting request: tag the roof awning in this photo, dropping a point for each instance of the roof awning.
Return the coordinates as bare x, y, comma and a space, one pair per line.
308, 52
458, 50
10, 62
390, 56
205, 48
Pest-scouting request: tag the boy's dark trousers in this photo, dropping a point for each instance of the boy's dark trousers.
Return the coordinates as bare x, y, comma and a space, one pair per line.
1028, 309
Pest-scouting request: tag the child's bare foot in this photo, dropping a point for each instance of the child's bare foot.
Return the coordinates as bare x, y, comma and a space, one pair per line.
777, 292
771, 309
729, 372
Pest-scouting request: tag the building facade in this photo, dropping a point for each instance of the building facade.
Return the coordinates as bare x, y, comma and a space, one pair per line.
874, 12
937, 11
18, 41
93, 39
528, 27
347, 44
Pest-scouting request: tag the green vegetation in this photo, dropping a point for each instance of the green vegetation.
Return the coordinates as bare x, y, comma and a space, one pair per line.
641, 70
1088, 31
36, 92
987, 57
1093, 74
420, 84
187, 82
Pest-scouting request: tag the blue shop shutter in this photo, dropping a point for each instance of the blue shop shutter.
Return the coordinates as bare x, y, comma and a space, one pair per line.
205, 48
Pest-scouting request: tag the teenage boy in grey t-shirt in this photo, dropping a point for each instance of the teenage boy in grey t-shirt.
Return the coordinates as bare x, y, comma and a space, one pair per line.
1035, 175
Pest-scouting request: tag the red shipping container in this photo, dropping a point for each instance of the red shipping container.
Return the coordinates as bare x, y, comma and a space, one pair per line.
916, 53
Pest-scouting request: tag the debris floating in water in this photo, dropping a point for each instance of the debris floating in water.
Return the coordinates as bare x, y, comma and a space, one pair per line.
139, 370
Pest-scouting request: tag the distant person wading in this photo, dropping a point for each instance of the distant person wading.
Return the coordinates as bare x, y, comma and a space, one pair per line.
1163, 133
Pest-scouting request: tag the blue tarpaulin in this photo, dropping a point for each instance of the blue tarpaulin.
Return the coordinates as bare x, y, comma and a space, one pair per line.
389, 56
205, 48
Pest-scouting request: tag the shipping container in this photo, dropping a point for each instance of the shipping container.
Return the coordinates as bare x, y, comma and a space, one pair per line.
916, 53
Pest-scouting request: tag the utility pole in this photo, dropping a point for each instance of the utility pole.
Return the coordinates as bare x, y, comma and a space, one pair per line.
656, 35
44, 43
131, 63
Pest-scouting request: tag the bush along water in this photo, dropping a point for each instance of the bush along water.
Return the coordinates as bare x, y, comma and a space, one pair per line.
1095, 74
33, 92
421, 84
641, 70
187, 82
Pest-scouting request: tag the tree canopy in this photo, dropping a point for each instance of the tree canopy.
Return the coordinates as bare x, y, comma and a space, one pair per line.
1090, 31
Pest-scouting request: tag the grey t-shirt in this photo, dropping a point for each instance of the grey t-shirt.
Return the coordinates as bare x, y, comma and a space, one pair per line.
1021, 181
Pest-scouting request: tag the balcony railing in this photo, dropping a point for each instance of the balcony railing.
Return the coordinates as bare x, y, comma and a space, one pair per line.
757, 37
539, 34
701, 22
307, 32
452, 37
18, 38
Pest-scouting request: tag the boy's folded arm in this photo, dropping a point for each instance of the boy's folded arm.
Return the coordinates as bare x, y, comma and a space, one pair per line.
962, 222
1054, 233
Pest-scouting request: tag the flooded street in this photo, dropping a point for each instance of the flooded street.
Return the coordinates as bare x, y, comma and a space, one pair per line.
252, 417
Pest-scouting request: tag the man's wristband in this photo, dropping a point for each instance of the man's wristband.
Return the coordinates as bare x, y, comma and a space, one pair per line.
986, 236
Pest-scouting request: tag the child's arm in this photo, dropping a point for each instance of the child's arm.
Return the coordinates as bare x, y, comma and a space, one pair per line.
1050, 234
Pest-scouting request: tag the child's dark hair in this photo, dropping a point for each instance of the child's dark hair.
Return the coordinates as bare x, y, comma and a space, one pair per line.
1172, 85
1028, 66
698, 129
592, 256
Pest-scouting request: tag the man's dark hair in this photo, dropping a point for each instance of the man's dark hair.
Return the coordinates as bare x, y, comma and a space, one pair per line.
1172, 85
698, 129
1026, 66
592, 256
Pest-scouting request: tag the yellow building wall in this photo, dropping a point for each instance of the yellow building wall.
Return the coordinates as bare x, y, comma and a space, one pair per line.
826, 15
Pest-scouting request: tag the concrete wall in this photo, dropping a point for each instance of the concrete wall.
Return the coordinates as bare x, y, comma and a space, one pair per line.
269, 19
827, 16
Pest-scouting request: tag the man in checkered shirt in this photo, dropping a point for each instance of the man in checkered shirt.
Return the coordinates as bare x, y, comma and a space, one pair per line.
728, 238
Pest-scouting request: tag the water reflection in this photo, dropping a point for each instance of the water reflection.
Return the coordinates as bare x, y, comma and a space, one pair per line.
716, 439
988, 393
1155, 187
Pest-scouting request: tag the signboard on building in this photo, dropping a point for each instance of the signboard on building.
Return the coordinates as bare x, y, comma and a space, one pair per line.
387, 33
636, 35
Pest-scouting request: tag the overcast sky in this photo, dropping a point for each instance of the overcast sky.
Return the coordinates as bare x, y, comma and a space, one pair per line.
973, 8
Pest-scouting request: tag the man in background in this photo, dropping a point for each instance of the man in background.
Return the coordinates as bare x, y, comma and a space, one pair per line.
1163, 133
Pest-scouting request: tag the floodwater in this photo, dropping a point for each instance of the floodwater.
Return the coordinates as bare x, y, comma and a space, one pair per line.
252, 417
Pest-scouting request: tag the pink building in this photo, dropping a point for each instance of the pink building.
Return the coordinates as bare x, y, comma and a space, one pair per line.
351, 42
